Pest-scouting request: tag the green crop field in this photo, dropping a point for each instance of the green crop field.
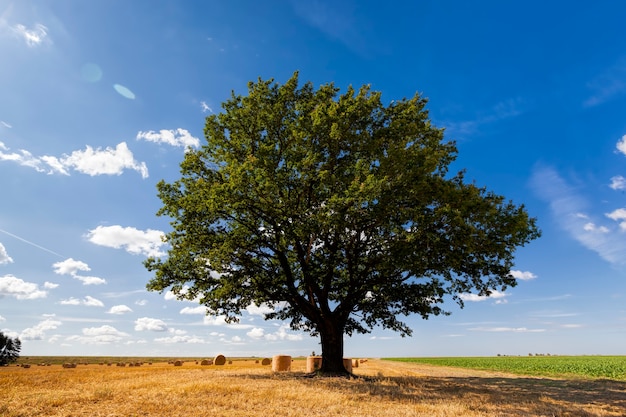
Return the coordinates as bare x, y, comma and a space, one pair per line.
608, 367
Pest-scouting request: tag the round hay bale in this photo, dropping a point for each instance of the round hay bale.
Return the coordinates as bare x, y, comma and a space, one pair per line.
355, 363
281, 363
25, 365
347, 363
313, 363
219, 360
178, 363
206, 362
266, 361
230, 362
256, 361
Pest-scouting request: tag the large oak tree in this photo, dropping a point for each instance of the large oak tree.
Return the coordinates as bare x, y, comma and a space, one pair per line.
336, 210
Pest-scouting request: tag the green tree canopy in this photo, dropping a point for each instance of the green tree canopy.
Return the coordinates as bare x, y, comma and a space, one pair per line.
9, 349
334, 209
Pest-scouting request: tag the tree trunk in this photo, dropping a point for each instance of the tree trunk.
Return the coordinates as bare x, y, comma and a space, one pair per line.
331, 336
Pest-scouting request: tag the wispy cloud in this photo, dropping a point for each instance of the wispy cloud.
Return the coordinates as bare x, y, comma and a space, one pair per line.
569, 210
607, 85
500, 111
93, 162
506, 330
336, 20
134, 241
34, 36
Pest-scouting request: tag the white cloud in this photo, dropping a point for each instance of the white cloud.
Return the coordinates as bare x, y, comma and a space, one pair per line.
141, 302
478, 298
215, 320
89, 161
70, 302
88, 301
523, 275
619, 216
102, 335
2, 319
147, 323
618, 183
15, 287
281, 334
8, 126
205, 107
621, 145
4, 256
134, 241
261, 310
194, 310
591, 227
104, 162
103, 330
34, 36
92, 302
221, 321
37, 332
72, 267
120, 309
50, 285
177, 137
256, 333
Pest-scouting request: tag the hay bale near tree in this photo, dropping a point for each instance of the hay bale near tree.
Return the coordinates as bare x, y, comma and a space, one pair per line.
347, 363
281, 363
219, 360
313, 363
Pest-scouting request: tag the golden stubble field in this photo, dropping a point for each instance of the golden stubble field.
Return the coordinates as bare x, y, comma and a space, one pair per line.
247, 389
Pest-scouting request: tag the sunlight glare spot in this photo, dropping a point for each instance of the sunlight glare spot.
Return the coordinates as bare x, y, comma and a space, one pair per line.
91, 72
124, 92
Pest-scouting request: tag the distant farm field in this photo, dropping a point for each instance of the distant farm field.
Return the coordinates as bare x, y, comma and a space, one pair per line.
610, 367
152, 387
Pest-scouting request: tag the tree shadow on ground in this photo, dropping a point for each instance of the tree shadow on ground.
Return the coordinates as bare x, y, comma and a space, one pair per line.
513, 396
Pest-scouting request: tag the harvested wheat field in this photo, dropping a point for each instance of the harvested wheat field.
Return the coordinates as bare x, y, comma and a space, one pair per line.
245, 388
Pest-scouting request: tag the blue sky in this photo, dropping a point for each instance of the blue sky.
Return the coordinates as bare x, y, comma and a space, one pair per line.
100, 98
